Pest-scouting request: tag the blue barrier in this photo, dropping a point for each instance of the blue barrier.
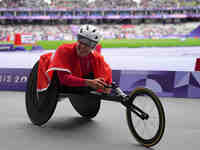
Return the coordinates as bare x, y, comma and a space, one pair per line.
180, 84
6, 47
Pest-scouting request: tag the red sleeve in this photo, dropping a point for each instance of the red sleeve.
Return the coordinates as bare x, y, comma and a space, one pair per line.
105, 71
70, 80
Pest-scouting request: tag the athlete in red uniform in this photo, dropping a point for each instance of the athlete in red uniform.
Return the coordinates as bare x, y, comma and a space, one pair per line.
77, 64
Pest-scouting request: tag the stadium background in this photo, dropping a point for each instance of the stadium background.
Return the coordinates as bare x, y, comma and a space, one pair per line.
49, 23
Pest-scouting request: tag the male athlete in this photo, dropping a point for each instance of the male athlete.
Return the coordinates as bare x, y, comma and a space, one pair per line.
78, 65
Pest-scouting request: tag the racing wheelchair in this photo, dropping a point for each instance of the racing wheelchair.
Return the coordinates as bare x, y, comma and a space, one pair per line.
144, 112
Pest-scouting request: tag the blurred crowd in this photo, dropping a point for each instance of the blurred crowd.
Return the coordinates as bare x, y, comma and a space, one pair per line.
71, 4
116, 31
68, 32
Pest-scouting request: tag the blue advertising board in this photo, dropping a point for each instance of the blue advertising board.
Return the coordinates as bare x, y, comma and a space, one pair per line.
6, 47
180, 84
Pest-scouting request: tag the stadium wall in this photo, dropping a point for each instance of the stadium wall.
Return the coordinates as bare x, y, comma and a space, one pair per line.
179, 84
14, 72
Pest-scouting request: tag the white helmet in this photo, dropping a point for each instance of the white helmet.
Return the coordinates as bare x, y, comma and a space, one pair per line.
89, 35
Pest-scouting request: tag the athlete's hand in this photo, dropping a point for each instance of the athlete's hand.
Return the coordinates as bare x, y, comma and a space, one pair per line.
98, 83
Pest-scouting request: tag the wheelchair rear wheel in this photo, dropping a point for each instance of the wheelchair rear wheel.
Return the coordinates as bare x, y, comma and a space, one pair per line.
40, 107
87, 106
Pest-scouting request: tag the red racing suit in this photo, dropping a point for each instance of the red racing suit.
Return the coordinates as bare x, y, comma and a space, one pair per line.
66, 59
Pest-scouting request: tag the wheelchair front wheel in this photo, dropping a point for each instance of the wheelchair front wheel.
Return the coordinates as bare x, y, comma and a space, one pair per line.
147, 132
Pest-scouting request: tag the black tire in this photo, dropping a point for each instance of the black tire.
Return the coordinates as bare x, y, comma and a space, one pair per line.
39, 113
146, 94
87, 106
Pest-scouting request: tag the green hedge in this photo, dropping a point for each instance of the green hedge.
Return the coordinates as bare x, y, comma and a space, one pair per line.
130, 43
118, 43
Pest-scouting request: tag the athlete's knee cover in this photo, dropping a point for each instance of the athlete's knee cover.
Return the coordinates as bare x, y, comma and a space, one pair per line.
42, 79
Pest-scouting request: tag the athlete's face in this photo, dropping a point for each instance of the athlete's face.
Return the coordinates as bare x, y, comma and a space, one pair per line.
83, 49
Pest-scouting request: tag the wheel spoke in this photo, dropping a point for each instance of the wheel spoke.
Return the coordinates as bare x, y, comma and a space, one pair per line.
148, 133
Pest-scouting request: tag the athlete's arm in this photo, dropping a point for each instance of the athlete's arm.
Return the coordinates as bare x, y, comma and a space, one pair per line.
73, 81
70, 80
